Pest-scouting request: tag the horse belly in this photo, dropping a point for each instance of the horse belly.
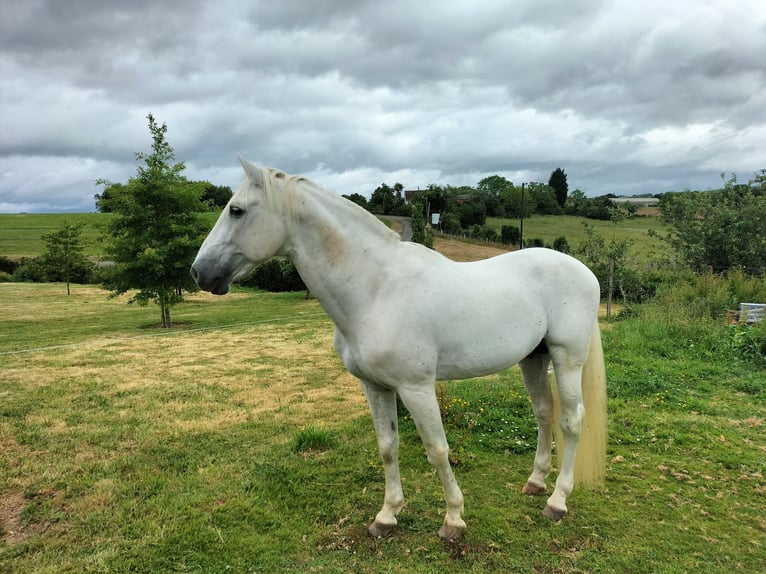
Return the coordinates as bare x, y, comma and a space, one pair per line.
487, 347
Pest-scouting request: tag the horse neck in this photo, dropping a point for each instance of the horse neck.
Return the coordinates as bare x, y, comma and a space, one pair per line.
340, 251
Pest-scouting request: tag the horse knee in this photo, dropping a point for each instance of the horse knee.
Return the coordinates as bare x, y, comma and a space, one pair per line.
437, 454
389, 450
571, 423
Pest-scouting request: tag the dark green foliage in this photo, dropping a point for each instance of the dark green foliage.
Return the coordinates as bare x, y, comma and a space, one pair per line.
359, 199
386, 200
472, 213
420, 233
719, 229
510, 235
534, 242
63, 259
8, 265
561, 244
216, 196
108, 201
490, 191
29, 270
157, 229
544, 199
558, 181
277, 275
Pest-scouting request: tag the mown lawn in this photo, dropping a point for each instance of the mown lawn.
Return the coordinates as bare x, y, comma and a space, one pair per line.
126, 448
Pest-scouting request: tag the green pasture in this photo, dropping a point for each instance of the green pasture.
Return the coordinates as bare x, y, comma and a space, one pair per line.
643, 233
20, 234
236, 442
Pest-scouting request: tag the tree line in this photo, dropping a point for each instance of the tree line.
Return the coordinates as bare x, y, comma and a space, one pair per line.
462, 207
157, 228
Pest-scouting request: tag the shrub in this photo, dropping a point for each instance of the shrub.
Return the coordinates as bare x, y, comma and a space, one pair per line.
510, 235
276, 275
561, 244
8, 265
748, 342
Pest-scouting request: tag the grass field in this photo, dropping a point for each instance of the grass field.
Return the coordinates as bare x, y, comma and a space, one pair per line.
237, 442
20, 234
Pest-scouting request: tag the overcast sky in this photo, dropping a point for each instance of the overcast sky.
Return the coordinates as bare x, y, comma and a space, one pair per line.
627, 97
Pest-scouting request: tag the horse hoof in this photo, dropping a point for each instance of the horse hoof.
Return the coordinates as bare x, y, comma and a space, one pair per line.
379, 530
553, 513
533, 489
451, 533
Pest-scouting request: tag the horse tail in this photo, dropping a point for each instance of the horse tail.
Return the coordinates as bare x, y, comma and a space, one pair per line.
590, 465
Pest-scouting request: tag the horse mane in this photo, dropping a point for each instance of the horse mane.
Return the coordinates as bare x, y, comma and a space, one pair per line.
294, 186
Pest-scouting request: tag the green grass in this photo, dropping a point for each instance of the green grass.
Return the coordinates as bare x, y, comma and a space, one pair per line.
246, 448
641, 232
21, 234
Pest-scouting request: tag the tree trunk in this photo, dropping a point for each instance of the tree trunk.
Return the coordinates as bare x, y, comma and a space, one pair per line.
165, 309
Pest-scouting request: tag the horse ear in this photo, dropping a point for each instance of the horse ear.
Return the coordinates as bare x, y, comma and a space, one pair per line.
253, 173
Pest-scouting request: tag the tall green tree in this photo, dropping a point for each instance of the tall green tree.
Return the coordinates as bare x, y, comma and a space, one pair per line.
558, 181
64, 258
721, 229
157, 229
491, 190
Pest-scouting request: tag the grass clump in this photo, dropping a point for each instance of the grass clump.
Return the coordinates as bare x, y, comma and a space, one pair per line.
312, 439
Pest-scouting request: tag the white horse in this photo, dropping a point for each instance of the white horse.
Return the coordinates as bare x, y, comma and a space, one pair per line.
405, 316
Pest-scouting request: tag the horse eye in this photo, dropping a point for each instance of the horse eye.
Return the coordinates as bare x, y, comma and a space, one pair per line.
235, 211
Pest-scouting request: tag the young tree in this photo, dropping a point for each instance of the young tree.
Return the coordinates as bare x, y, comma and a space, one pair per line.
558, 181
63, 258
156, 230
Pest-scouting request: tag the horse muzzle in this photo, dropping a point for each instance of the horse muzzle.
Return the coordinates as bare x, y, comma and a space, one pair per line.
215, 283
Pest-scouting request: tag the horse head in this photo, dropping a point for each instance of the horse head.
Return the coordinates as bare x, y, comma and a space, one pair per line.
251, 228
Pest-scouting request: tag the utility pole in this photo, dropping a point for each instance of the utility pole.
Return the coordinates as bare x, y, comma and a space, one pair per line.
521, 226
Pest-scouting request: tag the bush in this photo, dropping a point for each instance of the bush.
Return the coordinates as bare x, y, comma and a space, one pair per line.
561, 244
748, 342
510, 235
276, 275
534, 242
8, 265
30, 271
711, 295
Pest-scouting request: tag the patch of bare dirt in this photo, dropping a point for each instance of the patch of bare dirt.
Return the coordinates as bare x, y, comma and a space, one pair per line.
462, 251
11, 529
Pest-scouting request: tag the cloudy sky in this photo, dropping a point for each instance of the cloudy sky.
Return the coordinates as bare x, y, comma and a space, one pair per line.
627, 97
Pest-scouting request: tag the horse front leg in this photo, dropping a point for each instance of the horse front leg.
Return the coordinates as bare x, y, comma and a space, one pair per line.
382, 403
424, 408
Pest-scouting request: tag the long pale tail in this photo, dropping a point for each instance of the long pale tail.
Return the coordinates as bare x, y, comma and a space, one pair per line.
590, 466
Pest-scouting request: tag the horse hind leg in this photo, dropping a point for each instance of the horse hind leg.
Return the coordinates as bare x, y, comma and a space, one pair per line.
382, 403
572, 414
534, 373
